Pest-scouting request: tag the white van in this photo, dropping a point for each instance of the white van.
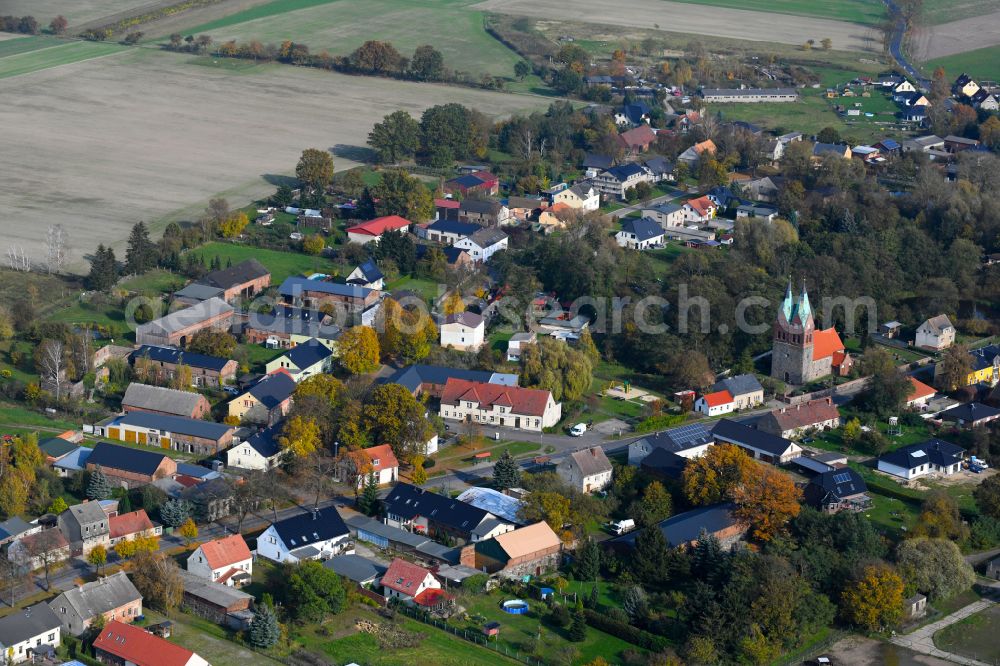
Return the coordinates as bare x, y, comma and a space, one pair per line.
578, 430
622, 526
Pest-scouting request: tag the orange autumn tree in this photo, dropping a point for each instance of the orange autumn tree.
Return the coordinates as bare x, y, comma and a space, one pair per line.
766, 500
875, 600
710, 478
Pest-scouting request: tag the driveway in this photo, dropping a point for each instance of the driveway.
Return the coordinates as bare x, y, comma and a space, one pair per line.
922, 640
623, 212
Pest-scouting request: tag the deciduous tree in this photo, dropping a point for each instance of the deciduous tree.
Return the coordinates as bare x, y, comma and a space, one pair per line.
189, 531
213, 342
427, 63
315, 168
396, 138
394, 416
875, 600
300, 437
987, 495
766, 499
313, 245
955, 367
158, 579
934, 566
399, 193
98, 557
709, 479
655, 505
358, 350
58, 25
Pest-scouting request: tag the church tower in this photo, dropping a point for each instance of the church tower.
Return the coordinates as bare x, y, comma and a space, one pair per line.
794, 330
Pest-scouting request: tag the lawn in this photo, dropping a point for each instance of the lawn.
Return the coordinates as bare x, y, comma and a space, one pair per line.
451, 26
461, 456
157, 281
832, 440
79, 312
208, 640
869, 12
974, 637
54, 56
979, 64
259, 355
17, 415
281, 264
427, 289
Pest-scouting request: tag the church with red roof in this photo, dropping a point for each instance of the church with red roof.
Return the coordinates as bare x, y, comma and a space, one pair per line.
800, 353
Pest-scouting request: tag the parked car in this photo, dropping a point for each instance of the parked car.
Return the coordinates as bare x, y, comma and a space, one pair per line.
622, 526
578, 430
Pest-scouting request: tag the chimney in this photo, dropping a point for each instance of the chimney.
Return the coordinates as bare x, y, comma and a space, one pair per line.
315, 513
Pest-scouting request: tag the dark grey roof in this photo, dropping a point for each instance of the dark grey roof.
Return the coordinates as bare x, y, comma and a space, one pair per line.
26, 624
356, 568
984, 357
56, 447
834, 485
125, 458
311, 527
297, 321
624, 171
934, 451
98, 597
371, 271
308, 353
485, 238
660, 166
265, 442
666, 208
739, 385
177, 356
214, 593
686, 527
198, 292
296, 286
481, 206
665, 462
181, 319
174, 424
243, 272
681, 438
643, 228
595, 161
408, 502
273, 389
14, 526
144, 396
393, 534
412, 377
740, 433
823, 148
454, 227
970, 412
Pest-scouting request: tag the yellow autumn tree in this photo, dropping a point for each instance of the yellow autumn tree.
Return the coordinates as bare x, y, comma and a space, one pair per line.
234, 224
300, 436
358, 350
453, 303
875, 600
709, 478
313, 244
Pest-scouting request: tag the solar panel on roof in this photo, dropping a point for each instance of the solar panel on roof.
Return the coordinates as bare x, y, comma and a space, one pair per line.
843, 477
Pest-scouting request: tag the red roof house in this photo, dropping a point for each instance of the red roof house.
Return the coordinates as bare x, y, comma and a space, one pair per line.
226, 561
405, 580
919, 394
127, 526
124, 643
700, 209
477, 181
372, 230
378, 460
639, 139
827, 344
510, 406
718, 402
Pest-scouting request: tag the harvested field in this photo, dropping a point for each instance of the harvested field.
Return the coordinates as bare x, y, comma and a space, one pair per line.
869, 12
84, 148
77, 12
943, 11
968, 34
62, 53
980, 64
695, 19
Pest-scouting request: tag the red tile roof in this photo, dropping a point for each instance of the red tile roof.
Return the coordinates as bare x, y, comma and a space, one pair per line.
129, 523
226, 551
702, 205
718, 398
486, 177
431, 597
826, 343
380, 225
708, 145
447, 203
919, 390
383, 454
404, 577
530, 402
140, 648
640, 137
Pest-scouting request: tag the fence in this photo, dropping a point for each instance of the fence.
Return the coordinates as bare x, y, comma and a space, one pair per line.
471, 636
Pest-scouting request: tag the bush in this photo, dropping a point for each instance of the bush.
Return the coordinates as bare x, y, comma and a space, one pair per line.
429, 462
625, 631
559, 616
475, 583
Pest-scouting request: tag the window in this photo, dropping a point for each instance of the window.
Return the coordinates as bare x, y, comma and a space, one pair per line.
52, 636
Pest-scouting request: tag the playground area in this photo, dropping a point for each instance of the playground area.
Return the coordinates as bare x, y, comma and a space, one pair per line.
625, 391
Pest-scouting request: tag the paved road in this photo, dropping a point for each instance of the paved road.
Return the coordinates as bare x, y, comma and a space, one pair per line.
896, 46
674, 193
922, 640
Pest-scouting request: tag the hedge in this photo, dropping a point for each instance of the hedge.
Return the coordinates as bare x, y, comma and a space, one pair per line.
626, 632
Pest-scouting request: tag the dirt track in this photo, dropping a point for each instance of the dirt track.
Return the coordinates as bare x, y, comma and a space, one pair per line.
695, 19
958, 37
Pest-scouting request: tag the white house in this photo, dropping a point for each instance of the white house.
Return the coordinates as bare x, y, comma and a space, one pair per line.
260, 451
407, 581
367, 275
25, 630
303, 361
378, 460
372, 230
716, 403
226, 561
465, 331
517, 343
614, 181
935, 333
582, 196
483, 244
315, 534
639, 234
745, 389
920, 393
587, 471
667, 214
932, 456
496, 405
687, 441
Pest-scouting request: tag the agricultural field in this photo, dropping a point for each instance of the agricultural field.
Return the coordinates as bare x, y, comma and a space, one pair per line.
969, 33
980, 64
944, 11
161, 155
340, 26
693, 19
869, 12
51, 54
77, 12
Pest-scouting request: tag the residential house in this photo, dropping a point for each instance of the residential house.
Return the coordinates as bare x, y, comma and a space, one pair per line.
501, 505
362, 571
478, 181
464, 331
749, 95
888, 80
756, 212
32, 551
921, 459
821, 150
196, 436
757, 442
745, 389
446, 209
243, 280
449, 232
964, 86
517, 343
226, 561
380, 461
23, 633
920, 393
555, 217
210, 499
260, 451
837, 490
533, 550
936, 333
765, 188
684, 529
314, 294
582, 196
498, 405
161, 364
986, 101
639, 234
970, 415
286, 326
407, 581
637, 140
266, 402
889, 148
794, 420
985, 366
111, 597
372, 230
128, 467
121, 644
903, 87
594, 164
692, 155
485, 213
699, 210
130, 526
455, 257
661, 169
616, 180
715, 403
303, 361
178, 327
563, 325
483, 244
687, 441
772, 152
666, 214
632, 114
417, 510
165, 401
16, 527
523, 209
367, 275
314, 534
221, 604
431, 380
85, 527
587, 471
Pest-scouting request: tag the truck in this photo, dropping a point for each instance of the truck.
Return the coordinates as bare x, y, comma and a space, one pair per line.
578, 430
620, 527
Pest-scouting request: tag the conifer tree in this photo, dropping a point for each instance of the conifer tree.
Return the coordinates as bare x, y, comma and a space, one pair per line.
98, 488
264, 630
506, 473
